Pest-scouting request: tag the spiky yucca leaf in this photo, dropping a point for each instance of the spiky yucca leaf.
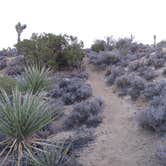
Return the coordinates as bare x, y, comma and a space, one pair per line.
35, 79
20, 117
55, 155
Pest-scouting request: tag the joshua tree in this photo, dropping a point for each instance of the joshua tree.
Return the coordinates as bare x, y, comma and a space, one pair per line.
154, 37
19, 29
131, 37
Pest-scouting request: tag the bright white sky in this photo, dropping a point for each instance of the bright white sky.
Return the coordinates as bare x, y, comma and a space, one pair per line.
86, 19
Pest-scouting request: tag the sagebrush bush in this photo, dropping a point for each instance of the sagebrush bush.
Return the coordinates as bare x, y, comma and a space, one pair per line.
161, 151
147, 73
7, 84
134, 66
156, 61
2, 63
71, 90
137, 85
122, 82
86, 113
153, 89
55, 51
104, 59
115, 73
154, 116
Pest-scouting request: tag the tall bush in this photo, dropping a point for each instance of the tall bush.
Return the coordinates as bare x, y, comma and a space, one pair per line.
55, 51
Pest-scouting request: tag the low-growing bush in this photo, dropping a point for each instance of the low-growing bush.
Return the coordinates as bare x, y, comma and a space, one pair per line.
154, 116
153, 89
161, 151
147, 73
104, 59
134, 66
81, 139
86, 113
14, 71
137, 85
155, 61
122, 82
2, 63
71, 90
115, 72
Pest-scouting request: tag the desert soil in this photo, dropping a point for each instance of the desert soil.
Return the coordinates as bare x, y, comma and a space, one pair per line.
119, 140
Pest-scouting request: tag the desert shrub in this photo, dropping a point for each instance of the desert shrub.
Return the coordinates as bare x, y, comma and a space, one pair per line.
154, 115
85, 113
76, 95
55, 51
34, 79
122, 82
161, 151
14, 71
2, 63
124, 45
134, 66
7, 84
71, 90
9, 52
161, 154
156, 61
164, 72
115, 72
83, 75
103, 59
99, 45
154, 89
18, 60
20, 119
161, 43
147, 73
137, 85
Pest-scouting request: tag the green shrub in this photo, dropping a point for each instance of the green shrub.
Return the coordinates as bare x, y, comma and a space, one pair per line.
99, 45
20, 118
7, 84
55, 51
34, 79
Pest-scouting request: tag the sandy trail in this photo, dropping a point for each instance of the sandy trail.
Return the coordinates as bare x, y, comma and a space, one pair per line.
120, 141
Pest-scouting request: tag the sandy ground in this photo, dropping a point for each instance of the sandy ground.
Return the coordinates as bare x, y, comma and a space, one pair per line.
120, 141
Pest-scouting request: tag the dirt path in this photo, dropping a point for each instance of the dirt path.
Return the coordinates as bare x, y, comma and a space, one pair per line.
120, 142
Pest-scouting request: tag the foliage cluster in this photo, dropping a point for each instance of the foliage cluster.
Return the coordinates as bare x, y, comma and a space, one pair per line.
54, 51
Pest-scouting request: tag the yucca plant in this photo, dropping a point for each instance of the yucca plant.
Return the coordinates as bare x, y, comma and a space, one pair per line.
21, 116
34, 79
53, 156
